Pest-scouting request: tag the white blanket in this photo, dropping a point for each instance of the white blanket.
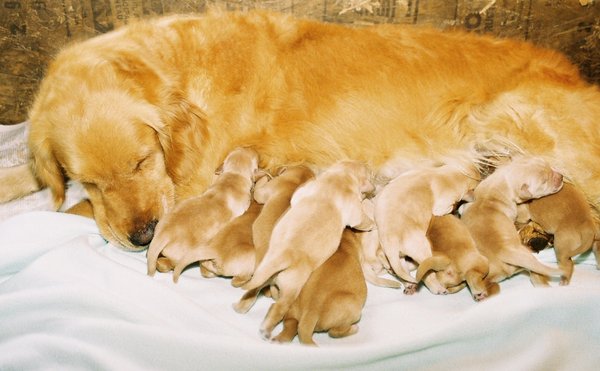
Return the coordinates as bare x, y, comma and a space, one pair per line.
69, 300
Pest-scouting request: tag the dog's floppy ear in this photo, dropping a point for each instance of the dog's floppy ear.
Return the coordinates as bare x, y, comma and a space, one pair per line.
46, 167
524, 192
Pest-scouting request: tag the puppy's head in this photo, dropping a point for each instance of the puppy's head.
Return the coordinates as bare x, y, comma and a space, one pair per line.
361, 172
532, 177
243, 161
110, 143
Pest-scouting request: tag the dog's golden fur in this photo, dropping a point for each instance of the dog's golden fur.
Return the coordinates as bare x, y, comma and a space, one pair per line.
143, 115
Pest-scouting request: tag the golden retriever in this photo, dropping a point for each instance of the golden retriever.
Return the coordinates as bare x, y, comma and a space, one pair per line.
144, 114
491, 217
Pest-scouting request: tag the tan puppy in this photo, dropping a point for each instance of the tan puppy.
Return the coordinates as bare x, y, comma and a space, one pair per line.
310, 232
276, 195
491, 217
230, 253
455, 259
404, 208
566, 215
193, 223
332, 299
144, 114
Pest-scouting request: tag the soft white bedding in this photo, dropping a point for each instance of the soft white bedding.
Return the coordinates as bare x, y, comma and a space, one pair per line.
69, 300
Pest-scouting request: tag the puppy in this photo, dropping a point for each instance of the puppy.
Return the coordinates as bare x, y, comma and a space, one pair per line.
310, 232
275, 195
455, 259
568, 216
195, 221
404, 207
230, 253
491, 217
332, 299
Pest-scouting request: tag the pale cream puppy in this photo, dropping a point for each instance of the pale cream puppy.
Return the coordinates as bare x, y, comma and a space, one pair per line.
310, 232
491, 217
568, 216
405, 206
196, 220
275, 195
332, 299
456, 261
230, 253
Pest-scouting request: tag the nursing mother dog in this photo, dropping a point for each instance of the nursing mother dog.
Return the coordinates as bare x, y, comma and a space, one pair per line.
143, 115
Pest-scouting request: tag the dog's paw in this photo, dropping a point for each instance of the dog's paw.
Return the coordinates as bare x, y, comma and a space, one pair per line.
265, 334
479, 296
410, 288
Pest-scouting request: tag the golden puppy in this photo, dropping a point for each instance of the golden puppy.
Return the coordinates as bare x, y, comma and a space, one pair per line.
276, 196
332, 299
405, 206
144, 114
193, 223
491, 217
17, 181
230, 253
568, 216
310, 232
456, 259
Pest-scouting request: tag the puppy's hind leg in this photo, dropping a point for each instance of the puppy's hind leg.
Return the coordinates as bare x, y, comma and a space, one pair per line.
290, 329
391, 247
306, 326
290, 283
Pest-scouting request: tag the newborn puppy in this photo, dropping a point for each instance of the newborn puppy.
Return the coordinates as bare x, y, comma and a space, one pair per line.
455, 259
404, 208
568, 216
309, 232
275, 195
332, 299
230, 253
196, 220
491, 217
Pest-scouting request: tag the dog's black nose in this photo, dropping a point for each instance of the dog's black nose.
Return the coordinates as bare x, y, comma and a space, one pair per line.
143, 235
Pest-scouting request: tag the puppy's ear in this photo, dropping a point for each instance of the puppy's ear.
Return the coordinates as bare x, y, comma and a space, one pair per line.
46, 167
524, 192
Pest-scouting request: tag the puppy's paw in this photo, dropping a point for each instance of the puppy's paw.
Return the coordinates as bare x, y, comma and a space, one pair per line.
479, 296
410, 288
265, 334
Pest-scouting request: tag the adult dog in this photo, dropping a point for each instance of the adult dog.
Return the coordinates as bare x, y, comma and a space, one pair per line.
143, 115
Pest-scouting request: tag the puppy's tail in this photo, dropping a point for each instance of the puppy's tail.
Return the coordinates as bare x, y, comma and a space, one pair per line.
196, 255
434, 263
523, 258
